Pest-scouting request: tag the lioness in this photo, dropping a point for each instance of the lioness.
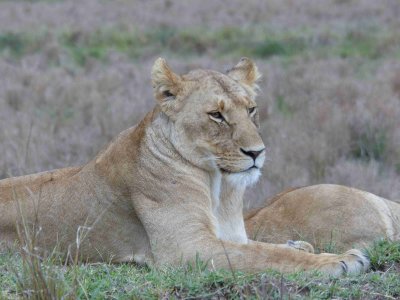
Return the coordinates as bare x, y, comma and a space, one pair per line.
326, 215
168, 189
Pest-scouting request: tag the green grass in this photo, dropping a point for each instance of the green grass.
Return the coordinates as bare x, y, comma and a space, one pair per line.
255, 42
13, 43
283, 107
127, 281
371, 144
16, 45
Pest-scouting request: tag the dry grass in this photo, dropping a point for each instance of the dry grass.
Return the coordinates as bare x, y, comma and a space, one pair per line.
330, 102
89, 15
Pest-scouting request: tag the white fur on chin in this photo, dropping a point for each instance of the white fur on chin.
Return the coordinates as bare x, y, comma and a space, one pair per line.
244, 179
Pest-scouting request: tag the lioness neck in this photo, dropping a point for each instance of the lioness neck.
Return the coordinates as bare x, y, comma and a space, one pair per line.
161, 163
230, 213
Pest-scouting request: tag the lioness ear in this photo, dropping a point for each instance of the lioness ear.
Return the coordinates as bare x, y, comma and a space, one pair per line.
246, 72
166, 83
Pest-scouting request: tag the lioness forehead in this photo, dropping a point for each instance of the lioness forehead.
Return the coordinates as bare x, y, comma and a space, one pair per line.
219, 87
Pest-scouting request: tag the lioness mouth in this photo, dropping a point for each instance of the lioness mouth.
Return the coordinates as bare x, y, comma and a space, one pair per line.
244, 171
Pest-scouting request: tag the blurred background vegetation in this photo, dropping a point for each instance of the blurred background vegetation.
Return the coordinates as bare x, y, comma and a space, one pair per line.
75, 73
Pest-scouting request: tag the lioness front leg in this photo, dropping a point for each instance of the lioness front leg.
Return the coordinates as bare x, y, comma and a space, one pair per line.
289, 259
352, 261
257, 256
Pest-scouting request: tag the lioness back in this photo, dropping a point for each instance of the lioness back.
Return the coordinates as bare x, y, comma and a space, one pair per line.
36, 179
327, 215
17, 188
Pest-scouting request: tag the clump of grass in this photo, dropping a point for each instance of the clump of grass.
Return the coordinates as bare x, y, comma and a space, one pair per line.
285, 46
282, 106
13, 43
98, 44
16, 45
371, 144
41, 278
38, 276
359, 44
385, 255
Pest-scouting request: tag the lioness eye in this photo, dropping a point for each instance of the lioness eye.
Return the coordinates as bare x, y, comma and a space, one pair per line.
217, 116
167, 94
251, 110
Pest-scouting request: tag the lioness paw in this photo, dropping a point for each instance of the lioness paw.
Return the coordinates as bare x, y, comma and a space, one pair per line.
300, 245
350, 262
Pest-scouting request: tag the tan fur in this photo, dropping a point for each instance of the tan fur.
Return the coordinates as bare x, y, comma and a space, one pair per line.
325, 215
169, 188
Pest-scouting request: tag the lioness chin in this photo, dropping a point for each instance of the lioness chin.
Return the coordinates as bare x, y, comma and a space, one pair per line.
168, 189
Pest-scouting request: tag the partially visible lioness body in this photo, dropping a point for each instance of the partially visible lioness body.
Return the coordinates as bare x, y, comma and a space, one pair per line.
325, 215
168, 189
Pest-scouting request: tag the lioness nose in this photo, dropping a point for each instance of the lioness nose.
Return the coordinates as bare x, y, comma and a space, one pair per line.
252, 154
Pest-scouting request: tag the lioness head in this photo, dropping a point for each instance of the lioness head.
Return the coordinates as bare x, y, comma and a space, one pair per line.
215, 117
